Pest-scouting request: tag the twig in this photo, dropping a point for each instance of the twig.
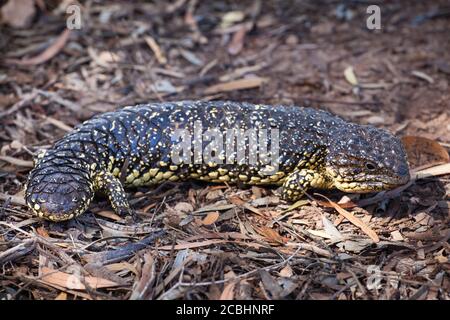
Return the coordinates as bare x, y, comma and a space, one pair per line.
26, 99
17, 251
13, 199
126, 251
244, 275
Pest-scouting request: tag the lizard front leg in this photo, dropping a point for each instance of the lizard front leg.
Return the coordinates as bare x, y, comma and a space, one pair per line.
108, 184
301, 180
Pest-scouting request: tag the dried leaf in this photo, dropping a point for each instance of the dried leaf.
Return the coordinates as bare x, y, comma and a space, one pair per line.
164, 86
271, 235
297, 204
185, 207
239, 202
210, 218
423, 76
16, 145
266, 201
440, 170
215, 208
270, 284
61, 296
422, 151
350, 76
231, 17
241, 84
331, 230
286, 272
190, 245
356, 221
228, 292
442, 259
319, 233
214, 194
42, 232
104, 58
191, 57
120, 266
109, 214
142, 286
59, 124
237, 42
73, 282
156, 50
397, 236
107, 57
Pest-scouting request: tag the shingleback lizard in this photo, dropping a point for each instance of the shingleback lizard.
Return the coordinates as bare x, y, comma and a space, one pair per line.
133, 147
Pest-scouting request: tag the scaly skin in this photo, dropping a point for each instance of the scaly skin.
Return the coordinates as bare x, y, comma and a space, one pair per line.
134, 144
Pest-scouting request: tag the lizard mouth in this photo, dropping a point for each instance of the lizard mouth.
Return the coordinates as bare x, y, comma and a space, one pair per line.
365, 187
367, 183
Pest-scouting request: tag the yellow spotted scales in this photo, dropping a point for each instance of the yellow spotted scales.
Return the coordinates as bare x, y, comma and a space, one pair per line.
133, 147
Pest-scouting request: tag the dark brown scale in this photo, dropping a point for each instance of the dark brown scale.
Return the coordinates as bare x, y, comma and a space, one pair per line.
316, 149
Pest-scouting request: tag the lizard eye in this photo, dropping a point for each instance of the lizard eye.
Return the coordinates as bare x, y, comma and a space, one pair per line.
370, 166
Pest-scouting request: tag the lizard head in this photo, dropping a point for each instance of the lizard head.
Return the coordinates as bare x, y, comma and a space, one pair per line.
366, 159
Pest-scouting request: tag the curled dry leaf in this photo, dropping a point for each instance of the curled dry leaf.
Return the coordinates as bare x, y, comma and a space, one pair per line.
350, 76
210, 218
422, 151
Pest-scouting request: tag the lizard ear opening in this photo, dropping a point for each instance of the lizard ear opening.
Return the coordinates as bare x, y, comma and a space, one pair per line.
370, 166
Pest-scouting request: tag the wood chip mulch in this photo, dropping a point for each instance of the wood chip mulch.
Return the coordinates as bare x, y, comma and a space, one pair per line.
199, 241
